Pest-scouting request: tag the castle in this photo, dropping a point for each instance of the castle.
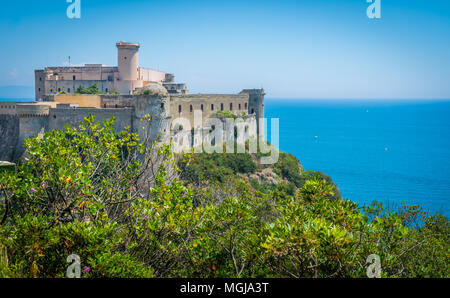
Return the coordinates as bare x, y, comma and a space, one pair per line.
128, 92
124, 78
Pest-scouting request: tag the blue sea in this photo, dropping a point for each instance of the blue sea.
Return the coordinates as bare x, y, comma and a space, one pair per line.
390, 151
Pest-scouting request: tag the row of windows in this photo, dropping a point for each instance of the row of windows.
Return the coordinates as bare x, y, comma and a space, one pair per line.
74, 78
7, 107
59, 90
116, 106
68, 90
191, 108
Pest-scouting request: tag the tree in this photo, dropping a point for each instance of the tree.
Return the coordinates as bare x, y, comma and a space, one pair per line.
92, 89
74, 185
116, 200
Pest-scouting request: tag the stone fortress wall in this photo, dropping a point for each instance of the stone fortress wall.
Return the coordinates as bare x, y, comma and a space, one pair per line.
124, 78
9, 137
142, 92
208, 104
19, 121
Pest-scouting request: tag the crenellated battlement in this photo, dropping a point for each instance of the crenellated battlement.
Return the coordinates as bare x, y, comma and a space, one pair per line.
32, 110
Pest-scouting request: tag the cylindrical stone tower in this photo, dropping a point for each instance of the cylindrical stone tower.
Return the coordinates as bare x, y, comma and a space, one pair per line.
256, 106
128, 61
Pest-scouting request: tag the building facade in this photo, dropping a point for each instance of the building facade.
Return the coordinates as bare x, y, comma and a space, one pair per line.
141, 92
125, 78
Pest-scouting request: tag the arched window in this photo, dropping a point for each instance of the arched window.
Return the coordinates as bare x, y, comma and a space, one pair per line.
179, 109
231, 106
74, 78
212, 107
190, 108
245, 105
239, 107
221, 106
201, 107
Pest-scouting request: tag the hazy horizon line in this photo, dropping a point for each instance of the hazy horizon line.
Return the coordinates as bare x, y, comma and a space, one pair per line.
274, 97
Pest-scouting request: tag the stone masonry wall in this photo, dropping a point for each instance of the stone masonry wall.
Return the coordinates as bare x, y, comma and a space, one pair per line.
9, 136
212, 103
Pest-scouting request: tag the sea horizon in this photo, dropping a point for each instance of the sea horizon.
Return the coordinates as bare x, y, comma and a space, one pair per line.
390, 151
330, 130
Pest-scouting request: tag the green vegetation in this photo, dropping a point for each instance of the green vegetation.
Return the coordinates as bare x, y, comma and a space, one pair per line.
226, 114
92, 89
215, 167
132, 209
7, 167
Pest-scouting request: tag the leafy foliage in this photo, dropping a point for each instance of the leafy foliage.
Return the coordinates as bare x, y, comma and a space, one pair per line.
92, 89
130, 208
226, 114
216, 166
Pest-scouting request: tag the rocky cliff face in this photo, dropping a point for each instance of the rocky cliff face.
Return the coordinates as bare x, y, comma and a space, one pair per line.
9, 137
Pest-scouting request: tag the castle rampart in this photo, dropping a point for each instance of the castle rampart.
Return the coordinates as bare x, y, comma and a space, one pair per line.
164, 101
125, 78
59, 117
209, 104
32, 110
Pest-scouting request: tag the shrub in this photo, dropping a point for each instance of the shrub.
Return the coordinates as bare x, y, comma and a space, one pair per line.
92, 89
115, 200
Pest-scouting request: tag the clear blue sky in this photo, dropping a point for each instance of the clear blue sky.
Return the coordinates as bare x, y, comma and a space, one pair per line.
294, 49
